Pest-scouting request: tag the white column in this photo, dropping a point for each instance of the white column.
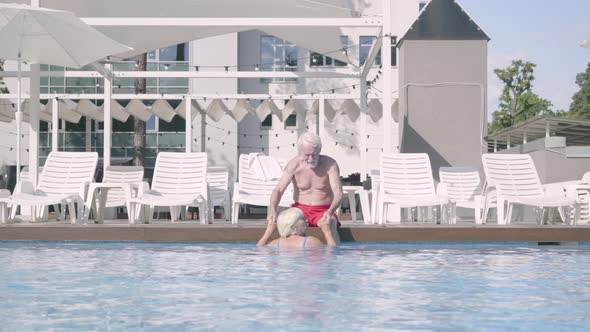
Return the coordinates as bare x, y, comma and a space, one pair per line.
547, 130
387, 76
34, 123
363, 119
495, 145
321, 116
508, 142
108, 122
524, 137
188, 140
55, 125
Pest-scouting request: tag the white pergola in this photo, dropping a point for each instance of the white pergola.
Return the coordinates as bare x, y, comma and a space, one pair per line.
293, 20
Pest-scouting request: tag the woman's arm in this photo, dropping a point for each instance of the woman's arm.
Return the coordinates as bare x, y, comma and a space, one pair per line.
265, 239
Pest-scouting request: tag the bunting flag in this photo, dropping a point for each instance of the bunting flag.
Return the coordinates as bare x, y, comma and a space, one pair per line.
216, 109
375, 110
6, 111
395, 111
313, 112
163, 110
196, 109
350, 108
138, 110
241, 109
65, 110
329, 111
117, 111
88, 109
43, 114
266, 108
293, 106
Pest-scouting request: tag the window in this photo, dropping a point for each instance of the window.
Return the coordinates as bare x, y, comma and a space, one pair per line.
318, 60
267, 123
365, 44
291, 121
277, 54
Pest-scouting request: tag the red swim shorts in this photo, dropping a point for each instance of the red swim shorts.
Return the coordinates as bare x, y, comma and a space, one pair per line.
314, 213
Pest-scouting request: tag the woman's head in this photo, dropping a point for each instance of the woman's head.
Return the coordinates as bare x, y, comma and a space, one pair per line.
291, 222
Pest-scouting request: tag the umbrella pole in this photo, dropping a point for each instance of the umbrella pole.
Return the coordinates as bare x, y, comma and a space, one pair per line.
18, 117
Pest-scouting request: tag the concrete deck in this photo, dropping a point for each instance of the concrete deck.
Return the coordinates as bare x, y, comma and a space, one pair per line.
251, 230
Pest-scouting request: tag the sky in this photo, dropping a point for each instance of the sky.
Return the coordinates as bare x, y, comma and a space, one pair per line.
547, 33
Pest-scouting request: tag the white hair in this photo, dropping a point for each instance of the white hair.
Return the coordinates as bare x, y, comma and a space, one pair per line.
287, 220
311, 139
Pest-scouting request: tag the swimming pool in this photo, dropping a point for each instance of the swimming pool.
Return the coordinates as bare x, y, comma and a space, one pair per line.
370, 287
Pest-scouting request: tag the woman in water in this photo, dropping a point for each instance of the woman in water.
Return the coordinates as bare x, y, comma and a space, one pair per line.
292, 226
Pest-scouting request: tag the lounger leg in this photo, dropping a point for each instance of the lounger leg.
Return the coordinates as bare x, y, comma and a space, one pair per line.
3, 215
501, 220
150, 212
235, 213
227, 207
72, 210
509, 213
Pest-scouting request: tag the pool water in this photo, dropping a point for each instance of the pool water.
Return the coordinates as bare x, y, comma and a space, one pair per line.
231, 287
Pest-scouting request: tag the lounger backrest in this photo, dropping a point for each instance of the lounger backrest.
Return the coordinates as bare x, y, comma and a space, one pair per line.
66, 172
513, 175
218, 180
586, 177
121, 174
462, 183
181, 174
407, 175
250, 183
375, 178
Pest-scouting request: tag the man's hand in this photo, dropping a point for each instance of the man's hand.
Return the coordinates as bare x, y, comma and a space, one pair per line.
272, 218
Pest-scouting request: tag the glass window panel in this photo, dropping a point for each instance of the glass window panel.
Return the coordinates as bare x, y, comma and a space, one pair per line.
152, 55
151, 139
173, 90
316, 59
151, 123
291, 121
176, 125
174, 53
57, 81
44, 67
81, 81
267, 123
44, 80
178, 81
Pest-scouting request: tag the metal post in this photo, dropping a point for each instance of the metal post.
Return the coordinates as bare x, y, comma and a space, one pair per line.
387, 76
364, 140
495, 145
321, 116
108, 122
35, 88
54, 125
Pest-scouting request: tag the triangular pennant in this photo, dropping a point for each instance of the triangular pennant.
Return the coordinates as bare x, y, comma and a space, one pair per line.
137, 108
312, 113
162, 109
329, 111
88, 109
293, 106
196, 109
66, 109
117, 111
241, 109
266, 108
395, 111
216, 110
350, 108
7, 109
43, 114
375, 109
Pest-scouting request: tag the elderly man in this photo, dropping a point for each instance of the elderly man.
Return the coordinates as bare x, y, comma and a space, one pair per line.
316, 183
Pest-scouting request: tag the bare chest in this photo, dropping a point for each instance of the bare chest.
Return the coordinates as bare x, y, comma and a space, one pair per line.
307, 179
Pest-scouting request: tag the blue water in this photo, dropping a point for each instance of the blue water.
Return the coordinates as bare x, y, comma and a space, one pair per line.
230, 287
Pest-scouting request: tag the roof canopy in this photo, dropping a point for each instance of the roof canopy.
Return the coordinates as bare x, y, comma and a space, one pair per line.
576, 131
151, 37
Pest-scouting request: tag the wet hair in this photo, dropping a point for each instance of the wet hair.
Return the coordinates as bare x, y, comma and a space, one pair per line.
287, 220
311, 139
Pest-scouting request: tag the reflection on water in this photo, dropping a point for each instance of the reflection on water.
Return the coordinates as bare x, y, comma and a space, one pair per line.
85, 286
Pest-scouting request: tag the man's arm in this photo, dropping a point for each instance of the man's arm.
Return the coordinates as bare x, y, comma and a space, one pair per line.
277, 193
265, 239
336, 186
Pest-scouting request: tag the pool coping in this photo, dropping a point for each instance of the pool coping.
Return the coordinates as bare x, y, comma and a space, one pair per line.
251, 233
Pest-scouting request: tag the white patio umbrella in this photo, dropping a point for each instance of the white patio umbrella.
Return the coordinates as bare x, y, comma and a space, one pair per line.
40, 35
586, 44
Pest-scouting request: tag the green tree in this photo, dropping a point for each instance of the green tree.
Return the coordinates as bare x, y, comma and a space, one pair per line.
518, 102
580, 106
3, 87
